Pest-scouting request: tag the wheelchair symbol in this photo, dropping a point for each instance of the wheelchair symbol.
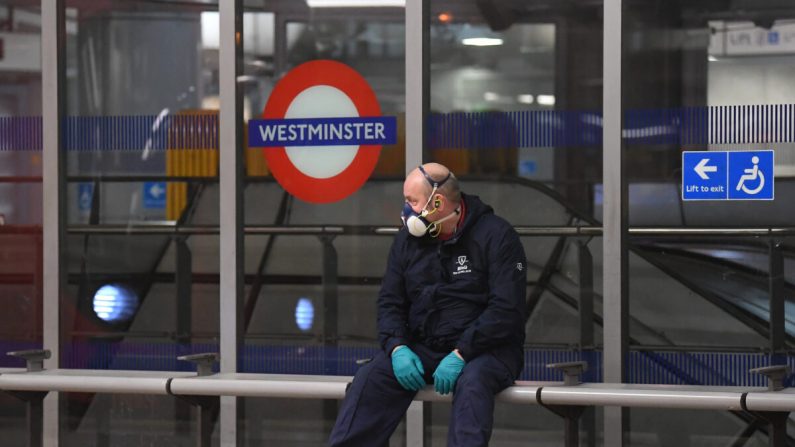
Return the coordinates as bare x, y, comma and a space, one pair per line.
752, 174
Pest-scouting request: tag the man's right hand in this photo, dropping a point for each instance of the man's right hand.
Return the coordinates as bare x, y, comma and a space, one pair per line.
408, 368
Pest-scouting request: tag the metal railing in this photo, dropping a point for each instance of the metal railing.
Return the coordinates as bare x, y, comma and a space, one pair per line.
585, 230
567, 400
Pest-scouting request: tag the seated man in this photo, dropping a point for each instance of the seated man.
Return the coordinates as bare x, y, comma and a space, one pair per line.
451, 312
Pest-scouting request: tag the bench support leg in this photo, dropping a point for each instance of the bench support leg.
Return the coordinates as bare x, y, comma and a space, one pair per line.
208, 407
776, 426
571, 422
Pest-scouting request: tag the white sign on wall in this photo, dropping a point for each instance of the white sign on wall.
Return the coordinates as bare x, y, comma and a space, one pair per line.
746, 39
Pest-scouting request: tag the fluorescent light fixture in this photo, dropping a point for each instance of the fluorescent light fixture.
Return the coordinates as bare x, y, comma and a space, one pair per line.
356, 3
482, 41
546, 100
210, 30
491, 96
524, 98
712, 58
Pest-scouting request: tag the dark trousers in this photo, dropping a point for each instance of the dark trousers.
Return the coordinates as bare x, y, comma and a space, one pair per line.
375, 402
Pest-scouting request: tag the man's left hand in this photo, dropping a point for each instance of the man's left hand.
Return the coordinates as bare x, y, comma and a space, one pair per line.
447, 373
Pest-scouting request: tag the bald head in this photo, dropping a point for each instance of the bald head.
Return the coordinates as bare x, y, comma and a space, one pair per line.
417, 182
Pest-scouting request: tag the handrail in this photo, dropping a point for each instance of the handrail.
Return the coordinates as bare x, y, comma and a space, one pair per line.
90, 381
333, 387
170, 229
783, 400
567, 400
647, 396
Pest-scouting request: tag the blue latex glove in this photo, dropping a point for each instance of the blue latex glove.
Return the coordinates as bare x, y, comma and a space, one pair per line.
447, 373
408, 368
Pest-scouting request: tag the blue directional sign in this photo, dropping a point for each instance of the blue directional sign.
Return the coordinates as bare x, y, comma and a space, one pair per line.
704, 175
727, 175
155, 195
85, 194
751, 175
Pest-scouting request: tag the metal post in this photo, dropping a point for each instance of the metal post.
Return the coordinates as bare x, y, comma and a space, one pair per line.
614, 210
417, 80
231, 193
776, 287
34, 400
418, 418
586, 297
330, 296
776, 420
184, 280
35, 415
572, 376
53, 88
587, 329
330, 281
184, 313
208, 406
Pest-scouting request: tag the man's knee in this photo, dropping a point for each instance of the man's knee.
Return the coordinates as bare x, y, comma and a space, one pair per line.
374, 376
473, 382
486, 374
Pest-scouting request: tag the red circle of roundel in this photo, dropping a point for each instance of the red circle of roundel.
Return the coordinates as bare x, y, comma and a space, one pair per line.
353, 85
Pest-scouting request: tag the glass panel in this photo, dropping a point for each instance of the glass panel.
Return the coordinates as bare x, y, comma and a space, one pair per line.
654, 426
716, 79
20, 179
20, 197
515, 99
516, 130
141, 143
315, 291
311, 298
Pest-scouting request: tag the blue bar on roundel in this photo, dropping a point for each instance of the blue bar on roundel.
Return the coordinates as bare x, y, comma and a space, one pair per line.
323, 131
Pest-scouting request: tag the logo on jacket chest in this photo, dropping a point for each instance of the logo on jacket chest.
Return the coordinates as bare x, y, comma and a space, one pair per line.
462, 265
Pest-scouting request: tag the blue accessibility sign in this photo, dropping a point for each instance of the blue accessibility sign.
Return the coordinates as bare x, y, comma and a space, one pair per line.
751, 175
85, 195
727, 175
154, 195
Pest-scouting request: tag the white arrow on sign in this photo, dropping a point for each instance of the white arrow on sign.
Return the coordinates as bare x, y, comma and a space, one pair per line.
702, 168
156, 190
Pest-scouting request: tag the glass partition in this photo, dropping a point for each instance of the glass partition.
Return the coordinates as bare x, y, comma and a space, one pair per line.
311, 289
515, 112
20, 197
20, 179
514, 108
140, 140
708, 93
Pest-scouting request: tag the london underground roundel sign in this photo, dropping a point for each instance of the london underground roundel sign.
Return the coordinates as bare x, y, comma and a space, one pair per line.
322, 131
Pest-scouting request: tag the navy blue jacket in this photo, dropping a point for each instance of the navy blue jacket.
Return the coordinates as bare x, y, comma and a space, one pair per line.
467, 292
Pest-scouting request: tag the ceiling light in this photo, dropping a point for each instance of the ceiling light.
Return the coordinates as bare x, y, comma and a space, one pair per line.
712, 58
546, 100
482, 41
524, 99
491, 96
356, 3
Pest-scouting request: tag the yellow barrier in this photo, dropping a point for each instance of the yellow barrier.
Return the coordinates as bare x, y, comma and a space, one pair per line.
192, 152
